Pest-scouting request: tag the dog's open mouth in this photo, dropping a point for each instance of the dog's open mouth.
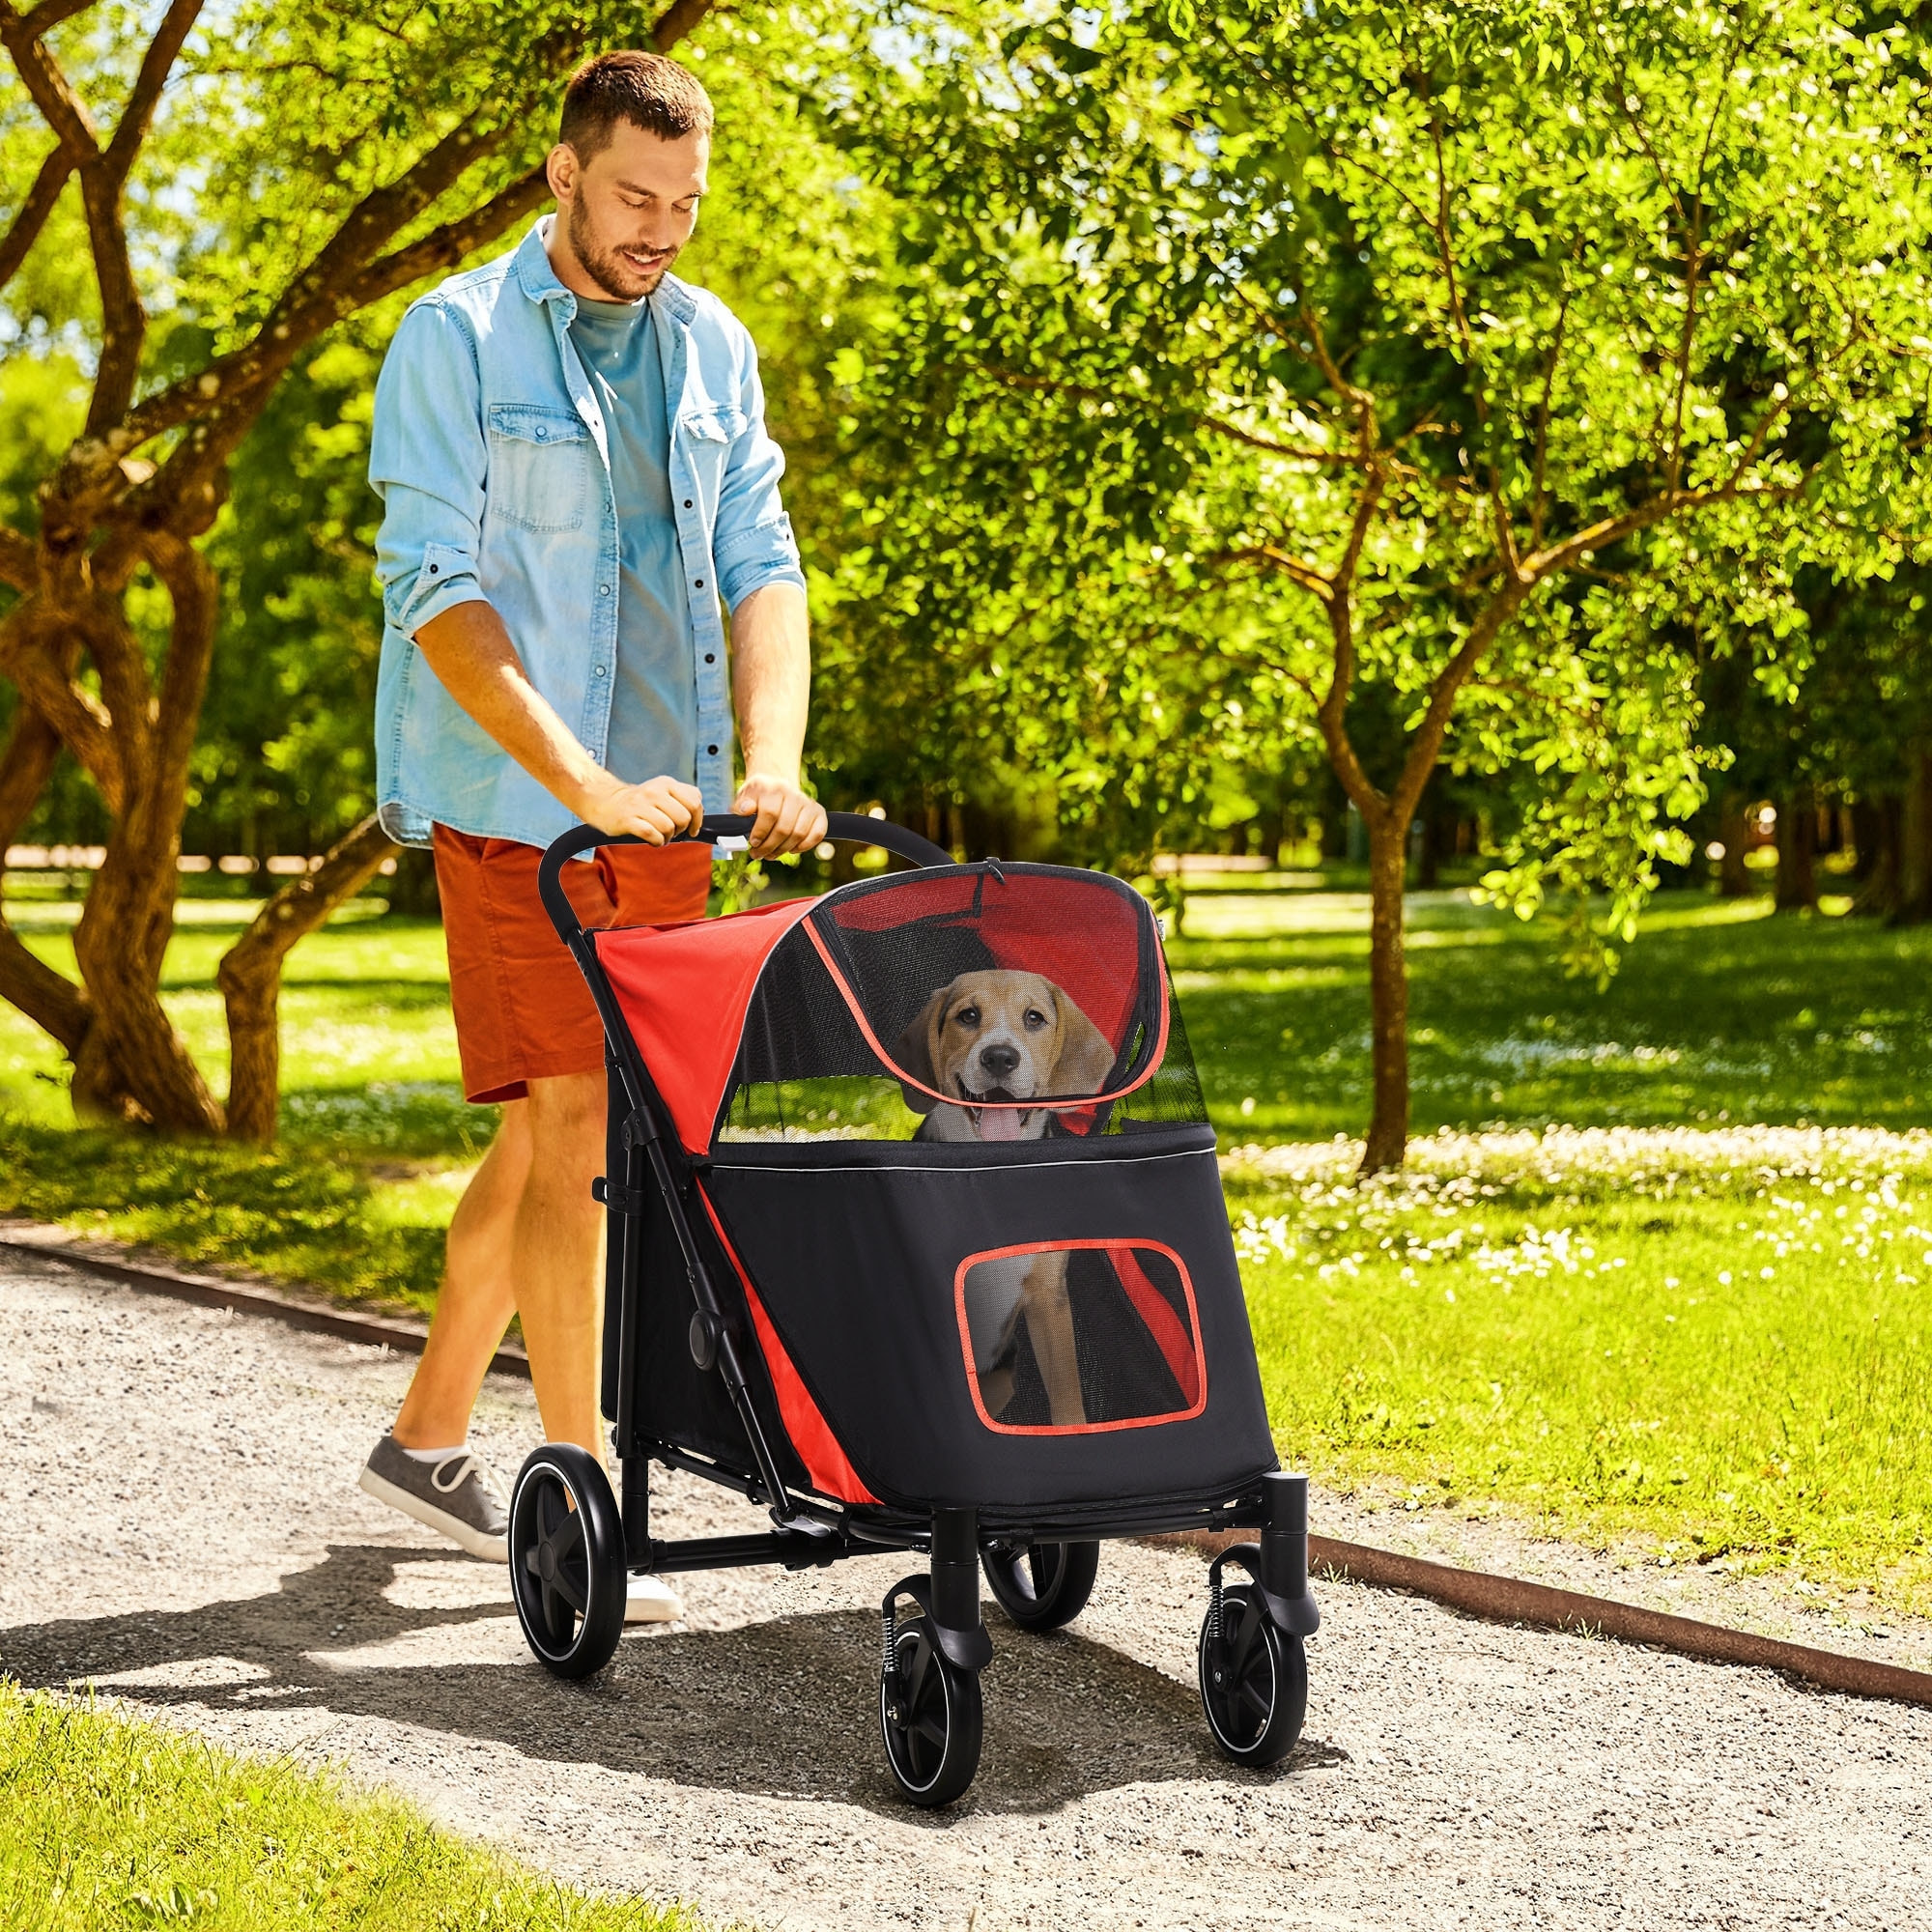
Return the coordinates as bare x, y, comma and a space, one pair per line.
997, 1114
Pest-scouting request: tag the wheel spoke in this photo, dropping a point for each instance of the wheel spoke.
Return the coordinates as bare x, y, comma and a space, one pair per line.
571, 1592
559, 1628
1255, 1701
1245, 1634
932, 1728
1038, 1573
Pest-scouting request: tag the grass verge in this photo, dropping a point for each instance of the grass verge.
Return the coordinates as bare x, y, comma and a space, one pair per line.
112, 1823
1712, 1341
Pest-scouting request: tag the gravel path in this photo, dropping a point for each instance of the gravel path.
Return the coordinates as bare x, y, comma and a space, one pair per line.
182, 1528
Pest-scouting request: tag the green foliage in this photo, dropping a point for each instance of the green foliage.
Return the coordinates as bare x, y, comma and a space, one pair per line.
1196, 316
107, 1822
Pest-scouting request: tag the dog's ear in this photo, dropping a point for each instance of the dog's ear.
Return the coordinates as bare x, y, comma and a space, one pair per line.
913, 1054
1086, 1058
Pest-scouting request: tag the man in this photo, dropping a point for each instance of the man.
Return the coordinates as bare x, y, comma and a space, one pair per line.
570, 447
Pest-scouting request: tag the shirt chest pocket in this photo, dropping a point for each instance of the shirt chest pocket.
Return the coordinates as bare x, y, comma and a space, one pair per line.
541, 464
707, 436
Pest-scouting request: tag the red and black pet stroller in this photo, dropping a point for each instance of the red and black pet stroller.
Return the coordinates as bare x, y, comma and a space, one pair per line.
917, 1240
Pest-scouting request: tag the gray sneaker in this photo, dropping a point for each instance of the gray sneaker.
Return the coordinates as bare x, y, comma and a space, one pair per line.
457, 1495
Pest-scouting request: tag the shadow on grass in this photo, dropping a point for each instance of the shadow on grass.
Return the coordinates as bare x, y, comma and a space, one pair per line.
290, 1210
783, 1709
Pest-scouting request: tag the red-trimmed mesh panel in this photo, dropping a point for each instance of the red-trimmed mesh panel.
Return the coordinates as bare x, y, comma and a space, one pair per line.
991, 1003
1069, 1337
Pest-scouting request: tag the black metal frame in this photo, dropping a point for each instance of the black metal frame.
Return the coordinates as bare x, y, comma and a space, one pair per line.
808, 1534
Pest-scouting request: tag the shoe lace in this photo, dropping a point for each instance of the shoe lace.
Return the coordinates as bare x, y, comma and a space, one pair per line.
465, 1464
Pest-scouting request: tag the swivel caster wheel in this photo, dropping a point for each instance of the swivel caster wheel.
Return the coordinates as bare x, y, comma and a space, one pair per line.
1253, 1680
567, 1571
1042, 1585
930, 1717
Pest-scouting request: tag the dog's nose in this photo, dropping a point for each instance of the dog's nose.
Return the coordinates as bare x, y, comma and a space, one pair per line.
999, 1061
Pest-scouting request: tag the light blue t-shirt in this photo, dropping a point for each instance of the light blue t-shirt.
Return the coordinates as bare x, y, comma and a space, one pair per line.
654, 705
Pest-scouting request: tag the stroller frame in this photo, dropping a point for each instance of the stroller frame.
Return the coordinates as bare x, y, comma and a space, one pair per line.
809, 1533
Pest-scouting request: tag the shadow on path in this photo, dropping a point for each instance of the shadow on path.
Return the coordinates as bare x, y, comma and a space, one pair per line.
786, 1708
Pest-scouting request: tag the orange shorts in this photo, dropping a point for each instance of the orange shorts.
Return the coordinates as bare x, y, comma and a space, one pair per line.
522, 1012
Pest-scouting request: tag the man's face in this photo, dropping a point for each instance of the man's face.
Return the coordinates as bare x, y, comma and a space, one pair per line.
628, 209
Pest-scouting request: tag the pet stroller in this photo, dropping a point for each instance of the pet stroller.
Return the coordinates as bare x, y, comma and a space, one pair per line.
891, 1265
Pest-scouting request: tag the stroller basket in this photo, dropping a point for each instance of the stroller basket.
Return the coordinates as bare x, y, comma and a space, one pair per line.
917, 1238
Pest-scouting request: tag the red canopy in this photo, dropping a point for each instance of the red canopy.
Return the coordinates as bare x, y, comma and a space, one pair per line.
684, 989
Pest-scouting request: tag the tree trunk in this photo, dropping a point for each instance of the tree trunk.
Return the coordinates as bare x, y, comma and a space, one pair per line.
1734, 880
250, 973
1875, 826
1388, 995
134, 1064
1797, 843
1914, 841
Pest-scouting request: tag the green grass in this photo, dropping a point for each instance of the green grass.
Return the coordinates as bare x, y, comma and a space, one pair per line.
1719, 1013
1716, 1343
1630, 1390
107, 1823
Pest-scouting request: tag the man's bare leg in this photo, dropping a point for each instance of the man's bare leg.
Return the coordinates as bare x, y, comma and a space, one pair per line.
478, 1294
554, 1256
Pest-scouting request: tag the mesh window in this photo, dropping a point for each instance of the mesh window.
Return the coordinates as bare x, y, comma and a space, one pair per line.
978, 1003
1082, 1335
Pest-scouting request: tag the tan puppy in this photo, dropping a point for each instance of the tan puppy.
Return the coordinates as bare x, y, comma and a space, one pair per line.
1000, 1037
995, 1038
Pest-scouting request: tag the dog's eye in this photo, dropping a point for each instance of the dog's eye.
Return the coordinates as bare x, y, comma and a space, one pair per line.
1034, 1018
968, 1017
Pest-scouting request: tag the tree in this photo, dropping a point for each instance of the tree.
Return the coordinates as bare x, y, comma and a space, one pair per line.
268, 172
1271, 368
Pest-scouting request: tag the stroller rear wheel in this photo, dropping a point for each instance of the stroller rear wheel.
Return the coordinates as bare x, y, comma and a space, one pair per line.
567, 1560
1042, 1585
930, 1715
1253, 1680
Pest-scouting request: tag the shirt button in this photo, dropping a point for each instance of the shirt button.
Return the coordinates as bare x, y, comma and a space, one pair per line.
603, 591
542, 433
700, 584
712, 748
598, 671
686, 502
710, 656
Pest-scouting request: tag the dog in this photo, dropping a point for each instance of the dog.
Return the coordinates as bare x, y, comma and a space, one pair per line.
998, 1040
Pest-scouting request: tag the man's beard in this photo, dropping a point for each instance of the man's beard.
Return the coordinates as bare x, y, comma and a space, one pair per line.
605, 266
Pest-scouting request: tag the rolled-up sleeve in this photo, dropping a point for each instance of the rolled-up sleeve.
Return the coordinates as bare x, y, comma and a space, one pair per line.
427, 462
754, 543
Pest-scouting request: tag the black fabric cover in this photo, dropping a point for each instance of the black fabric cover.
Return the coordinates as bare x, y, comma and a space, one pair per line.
678, 1403
854, 1249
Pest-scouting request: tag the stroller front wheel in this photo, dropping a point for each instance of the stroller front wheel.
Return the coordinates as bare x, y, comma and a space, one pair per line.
1253, 1680
1042, 1585
931, 1717
567, 1570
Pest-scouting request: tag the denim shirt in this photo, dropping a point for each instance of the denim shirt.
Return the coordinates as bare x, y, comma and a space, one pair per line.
488, 451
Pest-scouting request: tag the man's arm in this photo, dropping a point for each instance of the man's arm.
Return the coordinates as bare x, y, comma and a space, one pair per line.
469, 651
771, 688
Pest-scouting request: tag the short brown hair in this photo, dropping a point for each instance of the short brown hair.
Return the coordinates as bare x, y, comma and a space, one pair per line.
646, 90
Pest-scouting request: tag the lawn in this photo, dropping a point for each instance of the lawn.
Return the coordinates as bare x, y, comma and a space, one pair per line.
107, 1823
1611, 1298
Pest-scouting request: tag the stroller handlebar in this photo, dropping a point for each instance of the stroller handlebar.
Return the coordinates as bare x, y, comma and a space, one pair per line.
845, 826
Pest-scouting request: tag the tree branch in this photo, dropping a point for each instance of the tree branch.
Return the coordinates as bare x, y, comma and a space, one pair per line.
24, 230
1309, 576
47, 86
679, 19
46, 686
20, 568
155, 64
1014, 378
250, 972
43, 19
49, 999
